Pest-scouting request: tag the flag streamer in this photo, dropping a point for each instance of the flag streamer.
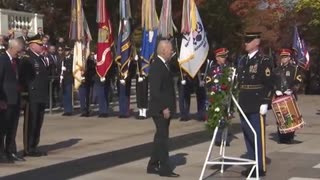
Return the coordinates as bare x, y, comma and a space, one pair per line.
166, 25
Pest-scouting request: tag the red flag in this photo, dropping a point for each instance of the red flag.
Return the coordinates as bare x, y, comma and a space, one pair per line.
105, 39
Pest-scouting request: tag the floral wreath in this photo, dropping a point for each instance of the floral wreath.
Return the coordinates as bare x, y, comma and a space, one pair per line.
219, 98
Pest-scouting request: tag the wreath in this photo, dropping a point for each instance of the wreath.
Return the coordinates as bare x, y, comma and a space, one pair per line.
219, 98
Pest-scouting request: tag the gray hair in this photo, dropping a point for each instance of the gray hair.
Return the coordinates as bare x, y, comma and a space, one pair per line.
13, 43
162, 46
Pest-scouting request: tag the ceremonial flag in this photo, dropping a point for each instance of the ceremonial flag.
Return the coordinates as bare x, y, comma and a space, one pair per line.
302, 54
150, 24
80, 33
166, 25
124, 42
194, 46
105, 40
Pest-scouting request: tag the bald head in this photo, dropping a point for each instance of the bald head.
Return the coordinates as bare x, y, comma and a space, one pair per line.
165, 49
15, 46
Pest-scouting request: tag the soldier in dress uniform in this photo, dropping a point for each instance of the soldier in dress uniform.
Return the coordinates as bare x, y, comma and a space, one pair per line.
255, 91
185, 89
67, 81
124, 91
85, 87
287, 79
142, 90
215, 68
35, 79
189, 85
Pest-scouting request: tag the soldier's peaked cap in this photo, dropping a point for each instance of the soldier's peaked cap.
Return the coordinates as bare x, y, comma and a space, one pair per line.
285, 52
253, 35
221, 52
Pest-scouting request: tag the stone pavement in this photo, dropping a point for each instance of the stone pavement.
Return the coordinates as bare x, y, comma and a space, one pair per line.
118, 149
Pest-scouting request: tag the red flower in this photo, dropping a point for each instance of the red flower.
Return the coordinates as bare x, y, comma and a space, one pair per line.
214, 89
224, 87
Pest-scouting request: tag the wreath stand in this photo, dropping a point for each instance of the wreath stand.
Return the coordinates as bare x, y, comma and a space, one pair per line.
222, 155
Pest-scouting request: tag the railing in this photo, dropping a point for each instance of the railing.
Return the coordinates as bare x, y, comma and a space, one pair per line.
17, 20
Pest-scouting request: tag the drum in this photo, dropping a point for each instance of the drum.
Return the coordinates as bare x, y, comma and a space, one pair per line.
287, 114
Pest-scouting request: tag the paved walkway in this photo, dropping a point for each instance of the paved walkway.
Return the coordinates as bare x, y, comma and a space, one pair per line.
118, 149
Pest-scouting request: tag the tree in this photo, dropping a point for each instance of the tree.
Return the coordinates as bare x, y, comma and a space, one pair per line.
310, 6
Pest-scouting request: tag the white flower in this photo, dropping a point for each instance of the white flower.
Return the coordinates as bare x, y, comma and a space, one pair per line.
229, 79
217, 109
216, 81
212, 93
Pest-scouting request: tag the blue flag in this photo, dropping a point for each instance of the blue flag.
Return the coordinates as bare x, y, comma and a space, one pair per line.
302, 55
124, 41
149, 40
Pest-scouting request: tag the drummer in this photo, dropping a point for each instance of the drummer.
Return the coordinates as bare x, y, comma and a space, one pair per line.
287, 80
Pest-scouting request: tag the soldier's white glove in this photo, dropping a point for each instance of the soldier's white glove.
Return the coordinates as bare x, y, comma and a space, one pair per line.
140, 79
122, 81
63, 68
61, 77
183, 82
136, 57
279, 93
288, 92
263, 109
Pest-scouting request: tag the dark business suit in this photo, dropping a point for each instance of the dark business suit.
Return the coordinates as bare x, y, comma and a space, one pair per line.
35, 77
162, 96
9, 93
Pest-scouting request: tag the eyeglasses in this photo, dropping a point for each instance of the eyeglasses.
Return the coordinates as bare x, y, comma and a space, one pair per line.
60, 50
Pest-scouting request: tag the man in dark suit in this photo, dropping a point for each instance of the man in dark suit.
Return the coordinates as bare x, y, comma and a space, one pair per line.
9, 102
161, 107
35, 77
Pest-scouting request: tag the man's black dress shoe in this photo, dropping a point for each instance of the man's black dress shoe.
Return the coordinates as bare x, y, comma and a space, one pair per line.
35, 153
67, 114
5, 159
246, 173
103, 115
84, 114
15, 157
123, 116
169, 174
153, 170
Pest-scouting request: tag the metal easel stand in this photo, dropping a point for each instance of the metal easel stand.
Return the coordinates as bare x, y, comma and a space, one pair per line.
221, 159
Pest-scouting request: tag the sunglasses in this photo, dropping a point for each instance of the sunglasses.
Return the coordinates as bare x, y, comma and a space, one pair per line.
248, 40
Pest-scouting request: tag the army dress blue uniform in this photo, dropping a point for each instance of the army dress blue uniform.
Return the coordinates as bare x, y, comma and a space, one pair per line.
124, 91
85, 87
67, 85
255, 84
286, 77
35, 77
